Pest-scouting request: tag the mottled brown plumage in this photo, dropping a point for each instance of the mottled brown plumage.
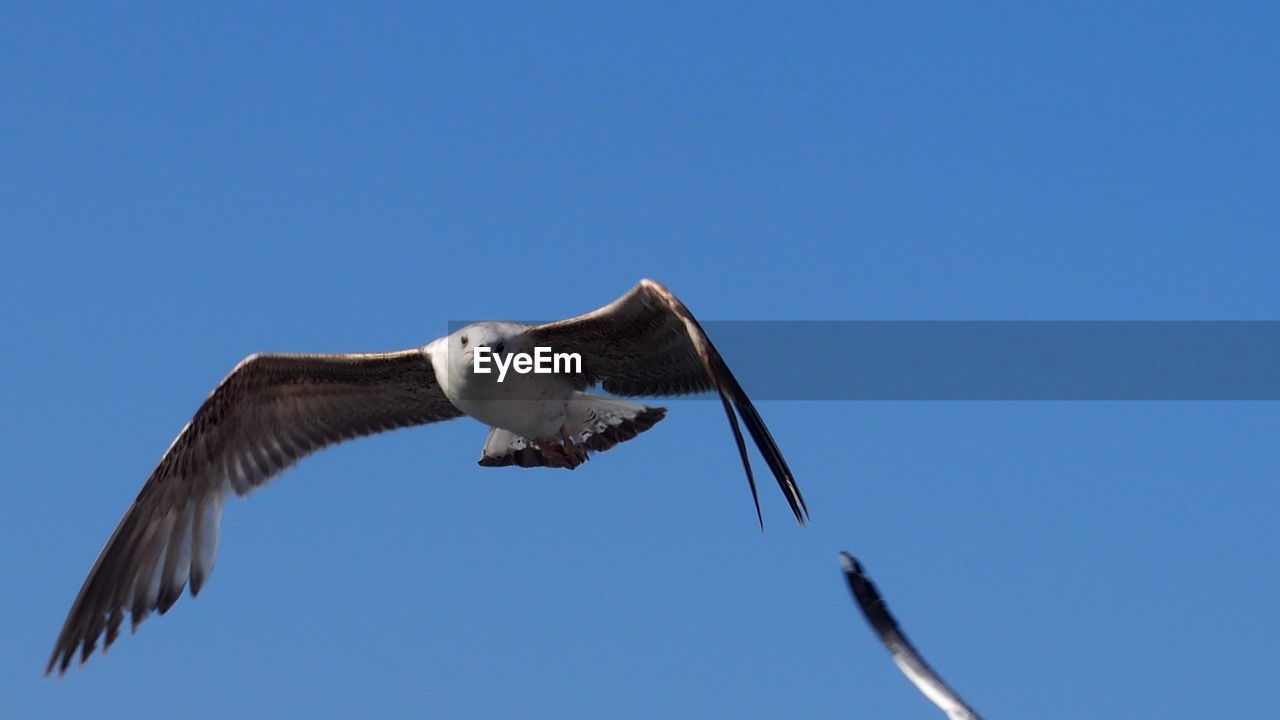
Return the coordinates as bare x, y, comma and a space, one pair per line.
269, 412
648, 343
274, 409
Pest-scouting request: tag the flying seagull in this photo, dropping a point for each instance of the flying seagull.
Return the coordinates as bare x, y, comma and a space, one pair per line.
273, 409
905, 656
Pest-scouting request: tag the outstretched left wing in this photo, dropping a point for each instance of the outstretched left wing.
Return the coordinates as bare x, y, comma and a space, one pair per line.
648, 343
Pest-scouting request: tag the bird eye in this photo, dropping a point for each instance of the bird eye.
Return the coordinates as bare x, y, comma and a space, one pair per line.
497, 348
464, 340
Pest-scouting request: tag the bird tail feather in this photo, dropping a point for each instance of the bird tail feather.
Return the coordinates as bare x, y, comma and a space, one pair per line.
592, 422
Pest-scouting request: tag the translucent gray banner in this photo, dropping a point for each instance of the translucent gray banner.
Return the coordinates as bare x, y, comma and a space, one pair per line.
1002, 360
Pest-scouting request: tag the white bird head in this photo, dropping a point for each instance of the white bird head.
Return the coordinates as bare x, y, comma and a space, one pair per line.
499, 336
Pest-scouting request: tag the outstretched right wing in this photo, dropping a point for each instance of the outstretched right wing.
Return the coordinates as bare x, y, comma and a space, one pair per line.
268, 413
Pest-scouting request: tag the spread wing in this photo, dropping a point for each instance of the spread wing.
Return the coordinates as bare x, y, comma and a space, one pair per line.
269, 412
905, 656
648, 343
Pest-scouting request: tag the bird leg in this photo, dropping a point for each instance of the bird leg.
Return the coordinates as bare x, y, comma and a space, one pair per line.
565, 454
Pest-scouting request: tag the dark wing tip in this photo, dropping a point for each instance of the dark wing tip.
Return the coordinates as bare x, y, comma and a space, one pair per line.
57, 659
65, 651
798, 505
75, 639
729, 388
735, 398
742, 452
850, 563
868, 598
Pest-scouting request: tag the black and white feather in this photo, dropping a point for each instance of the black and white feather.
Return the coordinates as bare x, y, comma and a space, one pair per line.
274, 409
904, 654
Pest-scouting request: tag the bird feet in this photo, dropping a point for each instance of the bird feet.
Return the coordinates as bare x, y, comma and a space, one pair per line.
565, 454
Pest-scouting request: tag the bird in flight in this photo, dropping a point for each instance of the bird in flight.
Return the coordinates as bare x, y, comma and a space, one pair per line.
273, 409
904, 654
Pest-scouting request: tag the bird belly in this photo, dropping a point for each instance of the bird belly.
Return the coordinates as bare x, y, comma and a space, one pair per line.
532, 406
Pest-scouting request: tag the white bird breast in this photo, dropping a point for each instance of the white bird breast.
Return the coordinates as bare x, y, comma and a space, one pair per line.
531, 405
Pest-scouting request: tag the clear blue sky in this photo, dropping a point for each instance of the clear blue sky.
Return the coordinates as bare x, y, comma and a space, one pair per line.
183, 186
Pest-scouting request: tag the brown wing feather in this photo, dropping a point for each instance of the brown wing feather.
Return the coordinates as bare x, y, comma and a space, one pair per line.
648, 343
269, 412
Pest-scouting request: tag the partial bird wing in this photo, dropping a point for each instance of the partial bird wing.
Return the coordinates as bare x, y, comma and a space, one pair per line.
648, 343
905, 656
269, 412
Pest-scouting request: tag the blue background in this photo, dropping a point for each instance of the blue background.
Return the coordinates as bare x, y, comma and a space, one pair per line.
181, 186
